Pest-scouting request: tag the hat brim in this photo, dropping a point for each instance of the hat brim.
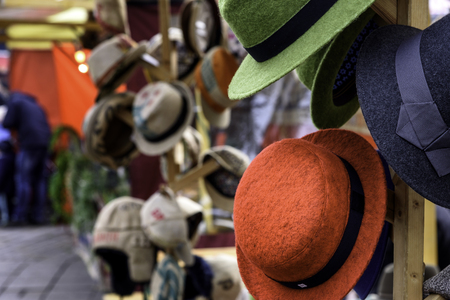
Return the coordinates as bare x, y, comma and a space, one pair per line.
218, 199
219, 120
158, 148
361, 155
253, 76
380, 102
324, 112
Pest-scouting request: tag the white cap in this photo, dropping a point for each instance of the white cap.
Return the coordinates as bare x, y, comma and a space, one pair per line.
164, 222
227, 283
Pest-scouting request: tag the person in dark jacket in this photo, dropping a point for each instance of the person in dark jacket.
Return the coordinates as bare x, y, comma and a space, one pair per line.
33, 134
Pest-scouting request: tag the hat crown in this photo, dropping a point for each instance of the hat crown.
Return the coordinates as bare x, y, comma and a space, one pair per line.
120, 214
289, 223
157, 108
254, 21
435, 63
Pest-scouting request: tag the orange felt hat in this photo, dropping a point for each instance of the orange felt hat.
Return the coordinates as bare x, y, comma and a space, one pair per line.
213, 76
308, 214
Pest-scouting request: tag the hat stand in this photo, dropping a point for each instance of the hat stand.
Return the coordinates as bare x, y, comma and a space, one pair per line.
405, 206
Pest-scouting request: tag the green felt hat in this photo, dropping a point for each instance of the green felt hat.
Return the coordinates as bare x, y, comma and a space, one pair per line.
281, 35
330, 74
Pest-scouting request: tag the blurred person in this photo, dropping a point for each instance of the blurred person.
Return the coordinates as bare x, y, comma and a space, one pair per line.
7, 157
27, 117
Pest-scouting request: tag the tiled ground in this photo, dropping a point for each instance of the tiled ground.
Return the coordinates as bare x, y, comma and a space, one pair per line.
38, 263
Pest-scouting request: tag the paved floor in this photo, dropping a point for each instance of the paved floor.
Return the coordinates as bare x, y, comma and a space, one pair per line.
38, 263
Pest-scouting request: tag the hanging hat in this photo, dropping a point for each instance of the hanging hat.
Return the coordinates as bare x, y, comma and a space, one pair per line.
165, 224
279, 36
187, 59
226, 283
108, 127
402, 82
113, 61
201, 25
120, 241
161, 112
330, 75
213, 76
193, 213
308, 215
112, 15
221, 185
167, 280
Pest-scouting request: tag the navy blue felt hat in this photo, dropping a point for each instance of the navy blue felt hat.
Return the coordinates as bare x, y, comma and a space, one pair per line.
402, 81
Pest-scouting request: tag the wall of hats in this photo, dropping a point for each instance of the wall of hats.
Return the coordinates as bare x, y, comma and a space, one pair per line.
316, 216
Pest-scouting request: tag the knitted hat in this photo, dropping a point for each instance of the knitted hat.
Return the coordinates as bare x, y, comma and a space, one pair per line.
279, 36
113, 61
120, 241
165, 224
108, 127
308, 215
161, 113
201, 25
221, 185
402, 82
213, 76
330, 75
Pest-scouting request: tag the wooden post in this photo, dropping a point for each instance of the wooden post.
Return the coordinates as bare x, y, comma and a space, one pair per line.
164, 17
408, 242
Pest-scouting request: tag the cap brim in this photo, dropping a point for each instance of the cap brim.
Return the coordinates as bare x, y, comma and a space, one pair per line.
252, 76
380, 102
324, 113
361, 155
158, 148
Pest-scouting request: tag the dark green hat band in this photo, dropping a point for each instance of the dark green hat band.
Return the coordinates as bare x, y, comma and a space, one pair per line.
298, 25
344, 88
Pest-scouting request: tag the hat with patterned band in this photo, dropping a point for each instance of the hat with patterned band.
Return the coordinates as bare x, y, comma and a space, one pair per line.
221, 184
407, 106
113, 61
309, 227
108, 129
213, 77
279, 36
120, 241
330, 75
161, 113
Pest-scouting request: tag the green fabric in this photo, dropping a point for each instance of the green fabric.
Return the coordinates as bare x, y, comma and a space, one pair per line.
252, 76
324, 113
249, 20
307, 71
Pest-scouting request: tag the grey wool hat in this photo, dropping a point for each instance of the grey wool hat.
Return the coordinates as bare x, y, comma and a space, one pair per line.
403, 88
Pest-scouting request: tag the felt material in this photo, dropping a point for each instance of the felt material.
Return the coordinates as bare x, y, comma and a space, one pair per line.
325, 112
108, 137
213, 77
380, 101
439, 284
253, 22
289, 222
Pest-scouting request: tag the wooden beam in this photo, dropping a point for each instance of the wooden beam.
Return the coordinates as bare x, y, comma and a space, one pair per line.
408, 242
387, 9
88, 25
194, 174
89, 4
